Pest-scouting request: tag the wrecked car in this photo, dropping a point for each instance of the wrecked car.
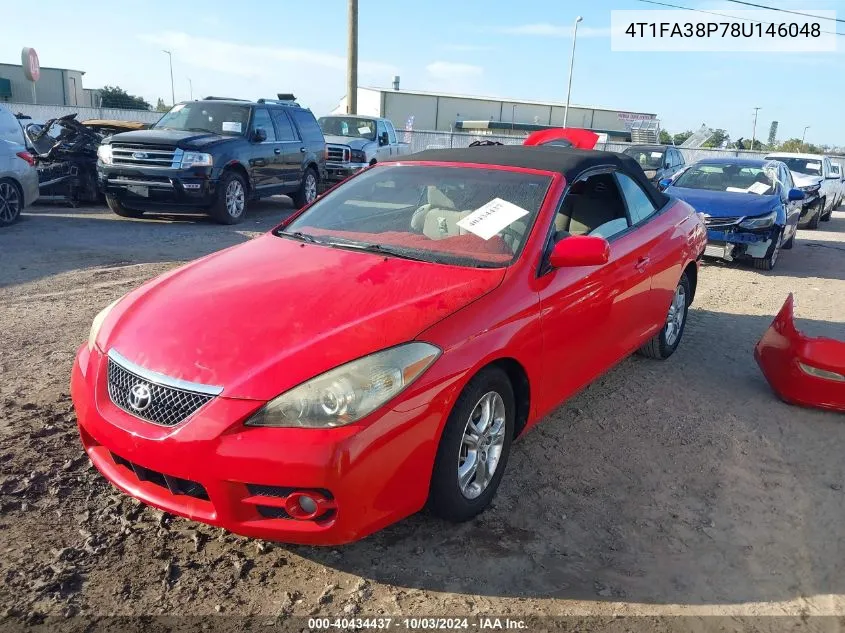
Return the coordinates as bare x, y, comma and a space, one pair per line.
750, 206
802, 370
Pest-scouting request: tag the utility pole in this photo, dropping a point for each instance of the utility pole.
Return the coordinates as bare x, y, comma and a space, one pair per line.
754, 129
571, 64
803, 136
352, 59
172, 91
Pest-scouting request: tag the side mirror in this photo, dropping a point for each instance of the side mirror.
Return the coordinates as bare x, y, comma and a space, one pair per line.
384, 139
580, 250
259, 135
663, 183
795, 194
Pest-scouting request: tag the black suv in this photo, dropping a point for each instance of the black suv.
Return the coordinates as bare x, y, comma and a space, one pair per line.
214, 154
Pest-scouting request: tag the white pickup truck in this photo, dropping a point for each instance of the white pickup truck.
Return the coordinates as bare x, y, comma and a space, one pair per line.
815, 176
354, 142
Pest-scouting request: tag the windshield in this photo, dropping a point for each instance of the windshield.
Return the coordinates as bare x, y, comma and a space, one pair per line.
348, 126
802, 165
729, 177
648, 159
465, 216
206, 116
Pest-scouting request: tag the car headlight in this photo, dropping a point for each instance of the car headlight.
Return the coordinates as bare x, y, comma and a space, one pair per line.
98, 323
104, 154
810, 188
350, 392
196, 159
357, 156
761, 222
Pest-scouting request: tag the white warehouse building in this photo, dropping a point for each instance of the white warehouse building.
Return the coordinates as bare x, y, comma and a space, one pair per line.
491, 115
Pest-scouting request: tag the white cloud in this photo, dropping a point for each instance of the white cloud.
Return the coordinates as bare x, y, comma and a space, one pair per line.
545, 29
450, 71
466, 48
253, 61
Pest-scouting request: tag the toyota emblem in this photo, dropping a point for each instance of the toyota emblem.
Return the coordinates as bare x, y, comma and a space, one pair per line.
140, 396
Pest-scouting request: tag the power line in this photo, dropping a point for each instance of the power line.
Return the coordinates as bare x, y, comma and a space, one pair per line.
721, 15
806, 15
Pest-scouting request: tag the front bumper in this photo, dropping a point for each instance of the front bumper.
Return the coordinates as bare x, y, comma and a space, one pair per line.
213, 469
154, 188
338, 172
800, 369
733, 244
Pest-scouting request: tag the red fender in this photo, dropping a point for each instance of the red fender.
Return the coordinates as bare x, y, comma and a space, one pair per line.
800, 369
580, 139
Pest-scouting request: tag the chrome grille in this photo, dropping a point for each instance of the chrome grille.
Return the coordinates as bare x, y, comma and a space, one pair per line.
144, 155
166, 405
338, 153
716, 222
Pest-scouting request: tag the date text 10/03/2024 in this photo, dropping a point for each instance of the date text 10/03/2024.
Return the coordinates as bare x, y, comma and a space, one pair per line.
417, 624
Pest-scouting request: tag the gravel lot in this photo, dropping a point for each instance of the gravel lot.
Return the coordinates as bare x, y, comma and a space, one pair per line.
682, 487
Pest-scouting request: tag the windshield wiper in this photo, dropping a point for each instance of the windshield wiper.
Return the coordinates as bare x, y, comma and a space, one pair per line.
302, 237
199, 129
377, 248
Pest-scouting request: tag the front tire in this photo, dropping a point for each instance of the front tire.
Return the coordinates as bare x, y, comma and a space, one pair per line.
11, 201
307, 192
814, 221
768, 262
474, 447
118, 208
663, 344
230, 205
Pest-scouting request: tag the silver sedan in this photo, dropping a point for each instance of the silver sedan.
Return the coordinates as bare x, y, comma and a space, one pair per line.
18, 181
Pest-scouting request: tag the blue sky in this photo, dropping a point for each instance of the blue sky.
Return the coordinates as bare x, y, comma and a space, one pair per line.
516, 50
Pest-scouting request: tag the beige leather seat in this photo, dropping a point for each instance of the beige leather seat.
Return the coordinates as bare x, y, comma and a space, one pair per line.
582, 214
438, 218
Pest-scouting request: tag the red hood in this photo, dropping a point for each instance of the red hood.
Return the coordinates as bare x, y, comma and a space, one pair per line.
262, 317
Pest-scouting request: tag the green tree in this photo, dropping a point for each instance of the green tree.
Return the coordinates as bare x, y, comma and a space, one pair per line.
117, 97
680, 138
795, 145
161, 106
719, 138
664, 138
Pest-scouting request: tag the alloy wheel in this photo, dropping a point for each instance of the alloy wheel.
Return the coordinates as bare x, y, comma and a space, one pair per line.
310, 188
677, 313
481, 445
10, 202
235, 198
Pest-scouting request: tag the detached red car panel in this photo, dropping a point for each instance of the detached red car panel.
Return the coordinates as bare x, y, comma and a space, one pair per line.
801, 369
563, 137
381, 349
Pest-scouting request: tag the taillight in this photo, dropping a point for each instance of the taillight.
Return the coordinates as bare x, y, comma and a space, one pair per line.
27, 157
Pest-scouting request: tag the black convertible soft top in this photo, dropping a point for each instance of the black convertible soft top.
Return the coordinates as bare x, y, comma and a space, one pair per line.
565, 160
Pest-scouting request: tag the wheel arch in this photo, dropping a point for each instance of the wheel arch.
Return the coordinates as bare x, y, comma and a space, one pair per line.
521, 389
692, 274
242, 171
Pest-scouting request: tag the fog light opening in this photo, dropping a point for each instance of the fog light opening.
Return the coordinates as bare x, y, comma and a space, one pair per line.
303, 506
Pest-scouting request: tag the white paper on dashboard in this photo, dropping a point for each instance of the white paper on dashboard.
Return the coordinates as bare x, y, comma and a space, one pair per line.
736, 189
232, 126
491, 218
814, 165
656, 154
759, 188
364, 130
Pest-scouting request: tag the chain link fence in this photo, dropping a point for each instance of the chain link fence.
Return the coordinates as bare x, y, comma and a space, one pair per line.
43, 113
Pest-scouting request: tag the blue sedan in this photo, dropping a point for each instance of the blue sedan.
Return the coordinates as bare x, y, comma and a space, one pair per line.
751, 206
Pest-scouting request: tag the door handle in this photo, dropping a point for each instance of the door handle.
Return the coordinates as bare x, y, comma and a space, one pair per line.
277, 151
302, 149
642, 262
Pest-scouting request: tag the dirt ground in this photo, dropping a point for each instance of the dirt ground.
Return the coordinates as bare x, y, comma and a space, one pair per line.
676, 488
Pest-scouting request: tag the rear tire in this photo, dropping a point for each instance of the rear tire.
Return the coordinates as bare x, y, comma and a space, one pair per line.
11, 201
307, 192
663, 344
768, 262
788, 244
230, 205
476, 438
118, 208
813, 224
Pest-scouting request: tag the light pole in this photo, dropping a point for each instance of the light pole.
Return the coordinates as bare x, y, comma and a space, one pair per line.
352, 58
571, 64
191, 88
172, 91
803, 136
754, 129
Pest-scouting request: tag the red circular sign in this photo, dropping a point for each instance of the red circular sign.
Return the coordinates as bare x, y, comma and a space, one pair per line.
29, 61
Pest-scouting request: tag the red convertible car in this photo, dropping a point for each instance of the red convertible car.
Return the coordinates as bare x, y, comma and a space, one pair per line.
380, 350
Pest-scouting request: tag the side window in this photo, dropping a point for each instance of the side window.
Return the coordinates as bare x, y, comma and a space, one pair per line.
391, 132
284, 129
786, 179
380, 129
307, 124
593, 206
681, 161
639, 204
261, 119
